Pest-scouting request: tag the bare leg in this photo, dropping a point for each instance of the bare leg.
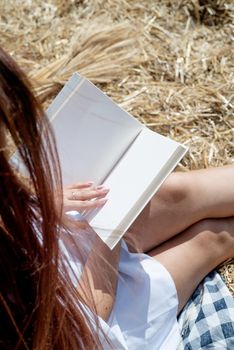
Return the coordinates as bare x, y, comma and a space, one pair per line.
190, 256
184, 199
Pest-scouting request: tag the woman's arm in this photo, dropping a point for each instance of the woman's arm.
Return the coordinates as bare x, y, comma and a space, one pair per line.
98, 282
101, 274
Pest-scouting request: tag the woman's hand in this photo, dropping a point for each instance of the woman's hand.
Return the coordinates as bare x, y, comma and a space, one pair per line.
83, 197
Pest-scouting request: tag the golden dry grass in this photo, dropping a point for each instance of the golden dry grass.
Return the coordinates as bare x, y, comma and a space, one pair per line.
169, 63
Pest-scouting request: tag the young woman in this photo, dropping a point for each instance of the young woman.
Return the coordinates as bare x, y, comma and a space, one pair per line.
61, 287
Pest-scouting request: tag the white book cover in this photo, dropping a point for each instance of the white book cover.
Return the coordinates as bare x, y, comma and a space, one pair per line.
99, 141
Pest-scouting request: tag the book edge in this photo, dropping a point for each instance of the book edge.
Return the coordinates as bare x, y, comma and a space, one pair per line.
141, 203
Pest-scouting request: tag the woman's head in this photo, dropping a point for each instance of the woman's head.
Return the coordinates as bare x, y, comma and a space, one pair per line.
37, 307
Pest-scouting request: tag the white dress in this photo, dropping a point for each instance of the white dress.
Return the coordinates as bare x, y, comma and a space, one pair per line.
145, 309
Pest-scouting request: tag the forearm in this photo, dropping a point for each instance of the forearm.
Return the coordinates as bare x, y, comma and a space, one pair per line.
101, 274
98, 282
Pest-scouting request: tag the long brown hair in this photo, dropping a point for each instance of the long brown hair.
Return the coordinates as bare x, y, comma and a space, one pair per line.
39, 307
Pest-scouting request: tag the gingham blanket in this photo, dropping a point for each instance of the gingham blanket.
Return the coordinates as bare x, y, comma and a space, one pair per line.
207, 321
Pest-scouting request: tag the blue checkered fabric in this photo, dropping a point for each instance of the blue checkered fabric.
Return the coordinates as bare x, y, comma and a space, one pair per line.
207, 321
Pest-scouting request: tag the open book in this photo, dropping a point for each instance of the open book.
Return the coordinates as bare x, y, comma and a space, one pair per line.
99, 141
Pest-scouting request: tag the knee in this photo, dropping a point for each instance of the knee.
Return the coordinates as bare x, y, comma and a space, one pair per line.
174, 189
217, 237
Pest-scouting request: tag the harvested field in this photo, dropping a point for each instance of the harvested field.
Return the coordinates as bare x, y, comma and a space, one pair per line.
169, 63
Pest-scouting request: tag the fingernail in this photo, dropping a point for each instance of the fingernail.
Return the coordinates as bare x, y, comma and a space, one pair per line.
106, 190
103, 201
89, 182
100, 187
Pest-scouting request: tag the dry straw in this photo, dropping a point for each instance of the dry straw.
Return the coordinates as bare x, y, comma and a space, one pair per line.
170, 63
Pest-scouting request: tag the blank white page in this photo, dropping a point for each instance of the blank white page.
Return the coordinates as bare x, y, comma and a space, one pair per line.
92, 132
134, 181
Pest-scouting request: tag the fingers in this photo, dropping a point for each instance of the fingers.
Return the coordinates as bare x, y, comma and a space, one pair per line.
83, 195
80, 185
84, 205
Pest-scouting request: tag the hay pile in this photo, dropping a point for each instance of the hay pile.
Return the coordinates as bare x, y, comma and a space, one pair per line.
169, 63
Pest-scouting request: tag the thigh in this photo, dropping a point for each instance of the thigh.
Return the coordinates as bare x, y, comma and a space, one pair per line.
183, 199
172, 209
191, 255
